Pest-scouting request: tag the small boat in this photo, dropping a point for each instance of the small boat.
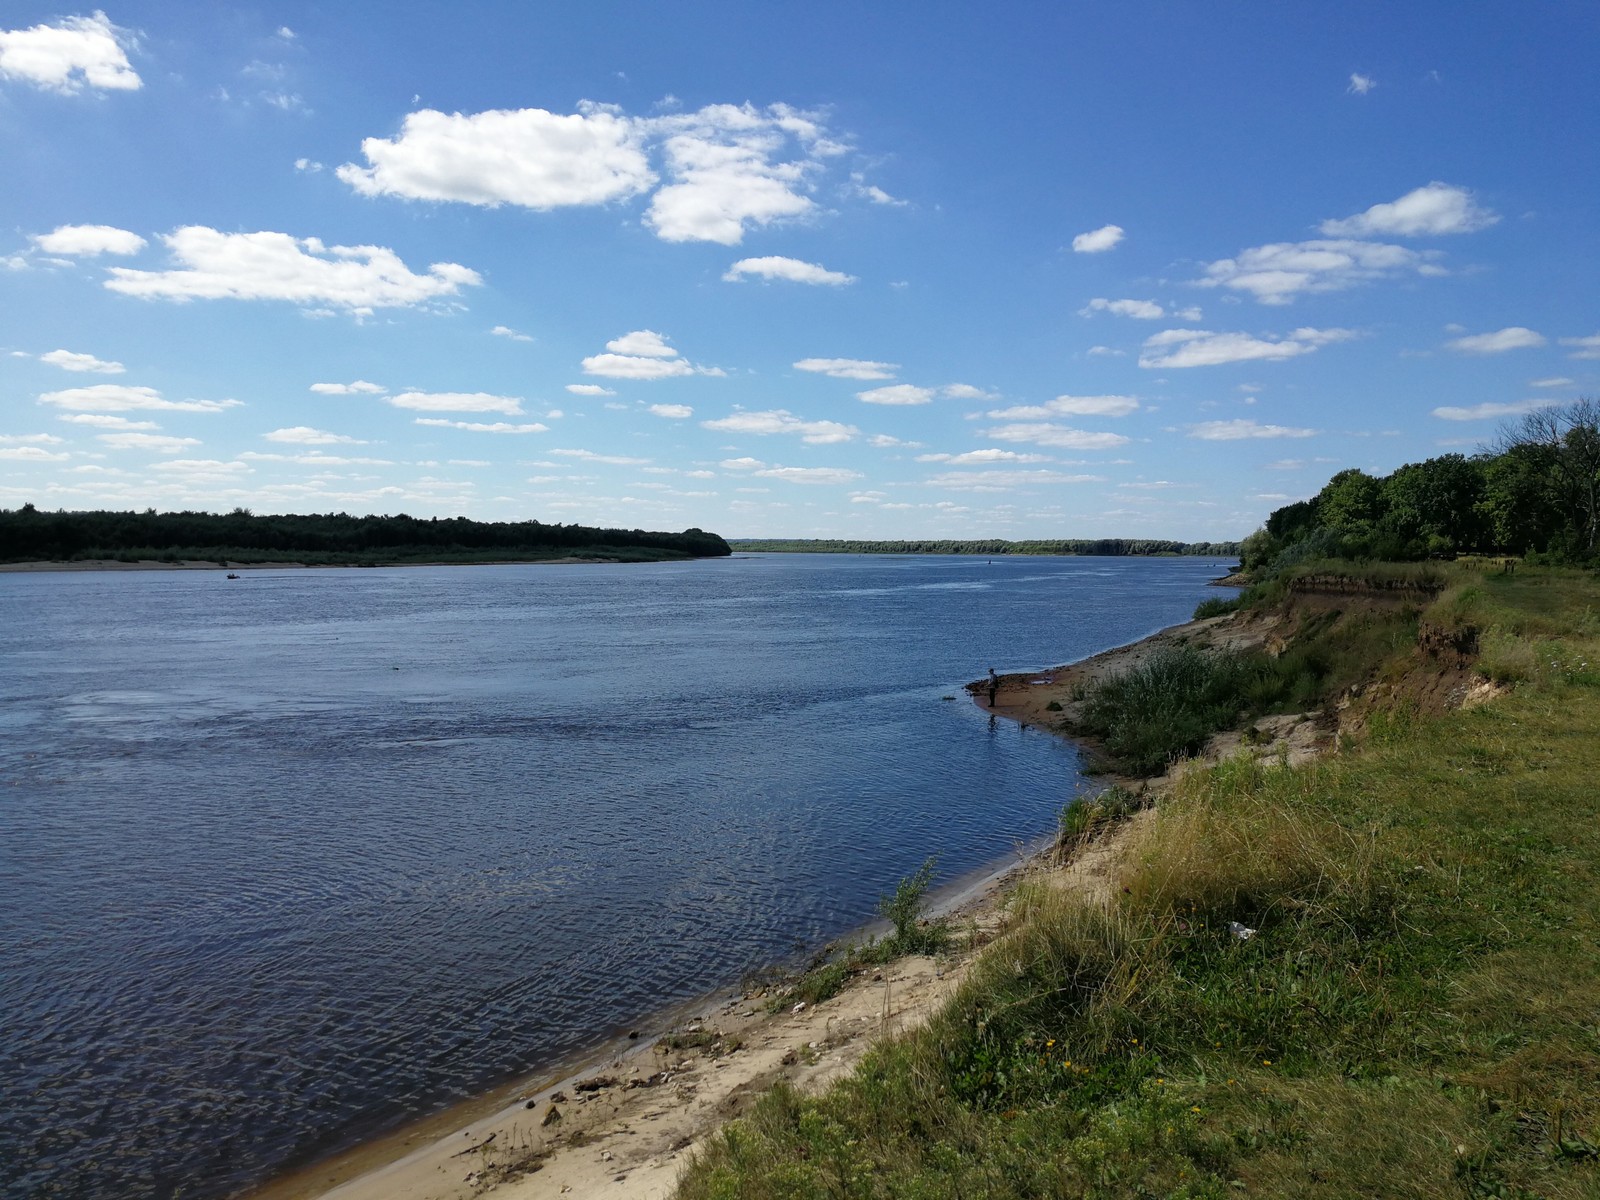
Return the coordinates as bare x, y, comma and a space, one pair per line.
231, 575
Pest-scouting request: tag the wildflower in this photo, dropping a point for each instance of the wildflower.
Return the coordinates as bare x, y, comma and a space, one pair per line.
1266, 1062
1194, 1108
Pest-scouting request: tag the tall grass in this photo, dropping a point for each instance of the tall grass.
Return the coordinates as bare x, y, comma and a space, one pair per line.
1373, 976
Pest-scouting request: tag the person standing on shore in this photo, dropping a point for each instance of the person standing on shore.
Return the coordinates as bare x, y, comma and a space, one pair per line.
994, 686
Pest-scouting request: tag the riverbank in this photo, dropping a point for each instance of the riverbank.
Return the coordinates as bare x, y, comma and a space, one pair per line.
210, 564
622, 1124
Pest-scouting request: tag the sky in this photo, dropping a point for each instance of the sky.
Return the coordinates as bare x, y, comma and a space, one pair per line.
1020, 270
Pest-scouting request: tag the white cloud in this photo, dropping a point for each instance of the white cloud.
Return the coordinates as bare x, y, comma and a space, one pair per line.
1174, 348
484, 427
1050, 434
1142, 310
733, 166
28, 439
791, 269
200, 469
980, 457
741, 464
815, 475
156, 442
275, 266
1513, 337
1240, 430
817, 433
117, 397
676, 412
103, 421
87, 241
872, 192
1587, 347
68, 361
616, 460
1075, 406
1489, 411
356, 387
589, 389
458, 402
305, 435
1561, 380
728, 166
964, 391
625, 366
1277, 273
527, 157
1097, 241
1001, 481
30, 454
66, 57
1360, 84
848, 368
310, 166
897, 394
1433, 210
1110, 352
642, 343
506, 331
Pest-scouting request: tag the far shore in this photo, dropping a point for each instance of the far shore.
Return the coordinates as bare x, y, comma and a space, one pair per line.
627, 1118
153, 564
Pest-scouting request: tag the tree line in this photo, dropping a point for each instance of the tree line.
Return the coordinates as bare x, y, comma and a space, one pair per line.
28, 534
1534, 492
994, 548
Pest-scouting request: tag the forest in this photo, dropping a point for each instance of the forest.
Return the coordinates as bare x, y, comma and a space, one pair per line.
1535, 493
30, 535
992, 547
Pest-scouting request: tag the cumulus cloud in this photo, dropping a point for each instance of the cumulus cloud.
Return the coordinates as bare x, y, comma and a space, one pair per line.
817, 433
1436, 209
897, 394
642, 343
105, 421
30, 454
616, 460
155, 442
727, 167
1097, 241
1513, 337
981, 457
791, 269
506, 331
75, 53
1142, 310
1485, 412
848, 368
527, 157
458, 402
88, 241
356, 387
68, 361
484, 426
276, 266
589, 389
641, 355
1000, 481
117, 397
305, 435
1584, 347
1048, 433
1361, 84
28, 439
1175, 348
1277, 273
675, 412
1075, 406
815, 475
1240, 430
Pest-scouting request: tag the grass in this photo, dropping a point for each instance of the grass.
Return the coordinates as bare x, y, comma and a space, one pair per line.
1414, 1016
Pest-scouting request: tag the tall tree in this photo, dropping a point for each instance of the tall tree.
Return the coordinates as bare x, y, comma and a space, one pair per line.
1567, 441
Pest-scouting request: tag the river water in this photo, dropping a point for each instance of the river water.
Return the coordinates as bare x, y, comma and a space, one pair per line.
291, 859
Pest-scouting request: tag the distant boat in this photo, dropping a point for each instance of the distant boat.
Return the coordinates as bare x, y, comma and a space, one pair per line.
231, 575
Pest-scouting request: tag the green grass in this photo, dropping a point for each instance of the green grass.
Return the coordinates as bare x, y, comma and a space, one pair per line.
1415, 1015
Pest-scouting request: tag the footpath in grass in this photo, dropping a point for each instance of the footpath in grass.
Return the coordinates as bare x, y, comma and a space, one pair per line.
1376, 975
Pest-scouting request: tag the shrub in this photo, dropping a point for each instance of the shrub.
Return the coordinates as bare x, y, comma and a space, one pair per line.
903, 909
1216, 606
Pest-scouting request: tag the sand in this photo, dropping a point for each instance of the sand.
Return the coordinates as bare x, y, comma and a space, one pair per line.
622, 1127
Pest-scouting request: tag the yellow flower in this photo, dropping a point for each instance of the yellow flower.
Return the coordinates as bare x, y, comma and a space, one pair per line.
1194, 1108
1266, 1062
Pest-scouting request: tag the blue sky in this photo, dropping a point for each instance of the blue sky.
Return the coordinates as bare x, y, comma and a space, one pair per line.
1024, 270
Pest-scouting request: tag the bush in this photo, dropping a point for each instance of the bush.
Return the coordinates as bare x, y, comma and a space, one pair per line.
1216, 606
1166, 707
903, 909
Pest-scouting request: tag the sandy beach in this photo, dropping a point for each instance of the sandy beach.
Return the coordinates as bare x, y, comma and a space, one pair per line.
621, 1125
